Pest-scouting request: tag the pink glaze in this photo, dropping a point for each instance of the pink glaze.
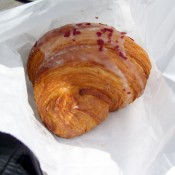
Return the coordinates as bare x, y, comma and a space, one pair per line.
105, 37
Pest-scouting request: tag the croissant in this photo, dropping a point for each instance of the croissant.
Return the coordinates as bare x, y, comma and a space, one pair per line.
81, 72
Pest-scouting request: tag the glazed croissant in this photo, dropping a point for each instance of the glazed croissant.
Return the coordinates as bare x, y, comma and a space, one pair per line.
82, 71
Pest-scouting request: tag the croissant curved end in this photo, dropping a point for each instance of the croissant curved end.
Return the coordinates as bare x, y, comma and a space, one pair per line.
81, 72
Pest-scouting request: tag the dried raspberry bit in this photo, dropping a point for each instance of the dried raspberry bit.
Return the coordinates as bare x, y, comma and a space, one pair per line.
103, 30
116, 47
122, 56
67, 34
35, 44
88, 24
109, 30
99, 34
76, 32
131, 38
79, 24
128, 92
123, 33
122, 37
100, 42
109, 37
106, 30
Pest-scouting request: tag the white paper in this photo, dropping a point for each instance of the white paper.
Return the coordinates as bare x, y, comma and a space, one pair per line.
138, 139
156, 24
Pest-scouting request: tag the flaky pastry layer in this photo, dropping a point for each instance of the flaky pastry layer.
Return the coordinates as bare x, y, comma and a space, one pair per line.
81, 72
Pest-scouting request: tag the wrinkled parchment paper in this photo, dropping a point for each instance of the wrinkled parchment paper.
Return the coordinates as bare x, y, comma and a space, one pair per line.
136, 140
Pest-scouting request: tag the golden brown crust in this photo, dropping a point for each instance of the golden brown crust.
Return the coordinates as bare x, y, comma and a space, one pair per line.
80, 72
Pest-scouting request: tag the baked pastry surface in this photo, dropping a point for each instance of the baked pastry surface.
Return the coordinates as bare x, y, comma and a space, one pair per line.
81, 72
